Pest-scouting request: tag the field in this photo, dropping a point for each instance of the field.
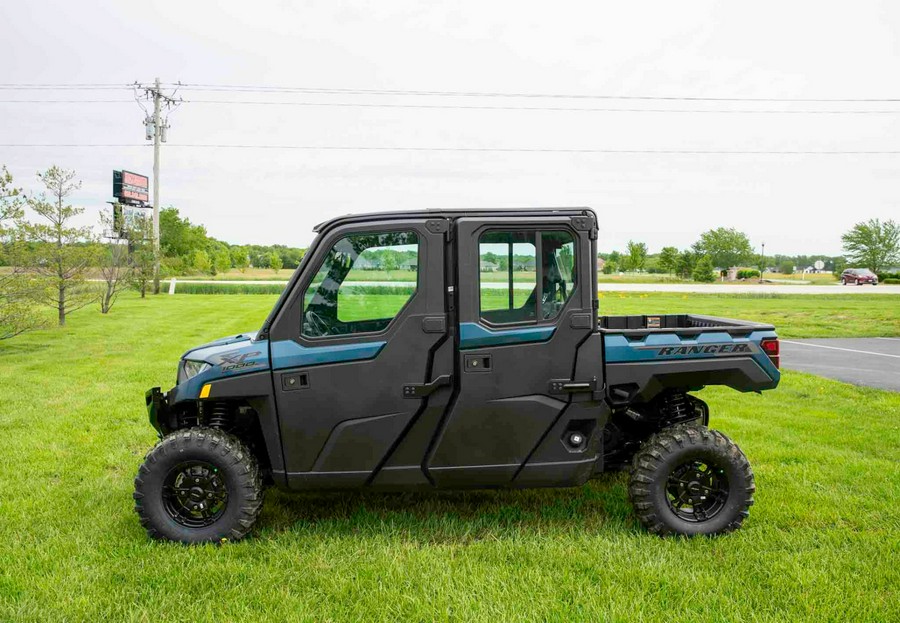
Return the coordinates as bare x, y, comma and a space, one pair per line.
267, 274
821, 542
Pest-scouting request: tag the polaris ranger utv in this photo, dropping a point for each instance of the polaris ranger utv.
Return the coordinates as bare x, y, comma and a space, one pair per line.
482, 363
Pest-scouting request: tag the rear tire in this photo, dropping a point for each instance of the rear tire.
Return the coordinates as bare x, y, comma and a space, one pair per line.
690, 480
198, 485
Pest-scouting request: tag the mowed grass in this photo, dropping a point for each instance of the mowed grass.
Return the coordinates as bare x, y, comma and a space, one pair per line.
794, 316
821, 543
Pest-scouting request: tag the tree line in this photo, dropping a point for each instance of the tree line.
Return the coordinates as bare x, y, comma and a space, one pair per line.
872, 244
186, 248
47, 259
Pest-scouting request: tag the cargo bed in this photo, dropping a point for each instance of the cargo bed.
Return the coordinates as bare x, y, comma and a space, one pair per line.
682, 324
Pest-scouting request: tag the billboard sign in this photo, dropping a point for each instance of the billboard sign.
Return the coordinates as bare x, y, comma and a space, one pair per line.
131, 188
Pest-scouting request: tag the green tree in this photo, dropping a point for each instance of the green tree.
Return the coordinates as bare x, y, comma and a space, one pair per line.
685, 265
222, 261
615, 257
115, 266
873, 244
839, 265
668, 259
17, 306
200, 261
275, 262
60, 253
726, 247
703, 270
637, 255
140, 238
786, 267
240, 258
178, 236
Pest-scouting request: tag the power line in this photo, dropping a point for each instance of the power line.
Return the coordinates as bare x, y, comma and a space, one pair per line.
478, 107
82, 101
63, 87
424, 93
550, 150
281, 89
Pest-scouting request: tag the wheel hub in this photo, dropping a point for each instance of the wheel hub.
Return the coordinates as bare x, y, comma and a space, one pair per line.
697, 490
194, 494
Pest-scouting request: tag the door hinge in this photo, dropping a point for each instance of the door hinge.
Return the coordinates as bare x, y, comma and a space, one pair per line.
420, 390
438, 225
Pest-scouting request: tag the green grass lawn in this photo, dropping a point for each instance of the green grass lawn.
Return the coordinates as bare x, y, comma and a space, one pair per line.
267, 274
799, 315
821, 543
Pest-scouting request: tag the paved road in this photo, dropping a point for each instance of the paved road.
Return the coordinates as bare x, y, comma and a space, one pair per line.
872, 361
644, 287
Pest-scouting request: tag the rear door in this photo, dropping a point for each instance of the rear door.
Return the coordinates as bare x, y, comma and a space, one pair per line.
525, 303
353, 349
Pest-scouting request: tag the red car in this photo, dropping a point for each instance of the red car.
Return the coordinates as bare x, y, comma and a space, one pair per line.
859, 276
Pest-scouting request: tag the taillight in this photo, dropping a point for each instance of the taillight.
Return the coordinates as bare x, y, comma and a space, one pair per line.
773, 350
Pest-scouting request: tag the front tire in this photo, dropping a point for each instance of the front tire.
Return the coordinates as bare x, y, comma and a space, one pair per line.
690, 480
198, 485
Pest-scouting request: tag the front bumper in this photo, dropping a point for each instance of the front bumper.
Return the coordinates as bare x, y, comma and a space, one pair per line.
158, 409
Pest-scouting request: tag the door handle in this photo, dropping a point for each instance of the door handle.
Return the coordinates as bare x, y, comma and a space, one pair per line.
420, 390
568, 386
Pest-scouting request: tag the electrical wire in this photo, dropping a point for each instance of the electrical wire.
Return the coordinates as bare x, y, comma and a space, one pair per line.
424, 93
394, 92
477, 107
716, 152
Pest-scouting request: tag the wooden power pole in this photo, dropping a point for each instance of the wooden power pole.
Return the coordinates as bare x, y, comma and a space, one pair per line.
156, 131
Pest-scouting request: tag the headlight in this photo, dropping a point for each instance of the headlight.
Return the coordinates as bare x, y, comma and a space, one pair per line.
189, 369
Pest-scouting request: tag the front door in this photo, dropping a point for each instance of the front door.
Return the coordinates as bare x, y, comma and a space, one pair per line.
525, 306
353, 349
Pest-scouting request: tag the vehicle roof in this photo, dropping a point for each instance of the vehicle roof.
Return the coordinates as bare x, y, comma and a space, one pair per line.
451, 214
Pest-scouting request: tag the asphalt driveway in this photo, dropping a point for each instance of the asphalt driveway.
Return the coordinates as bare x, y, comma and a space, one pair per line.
872, 361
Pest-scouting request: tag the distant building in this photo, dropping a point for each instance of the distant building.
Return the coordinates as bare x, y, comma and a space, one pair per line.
527, 264
488, 267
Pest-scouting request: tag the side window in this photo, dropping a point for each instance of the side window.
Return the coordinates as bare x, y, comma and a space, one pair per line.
507, 276
558, 274
363, 283
512, 264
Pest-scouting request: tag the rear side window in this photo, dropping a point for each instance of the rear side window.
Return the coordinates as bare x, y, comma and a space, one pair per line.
362, 284
525, 276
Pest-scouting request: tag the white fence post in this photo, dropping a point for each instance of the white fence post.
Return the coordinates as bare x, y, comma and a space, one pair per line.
172, 286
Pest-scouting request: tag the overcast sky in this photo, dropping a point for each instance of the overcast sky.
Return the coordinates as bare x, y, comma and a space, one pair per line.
793, 203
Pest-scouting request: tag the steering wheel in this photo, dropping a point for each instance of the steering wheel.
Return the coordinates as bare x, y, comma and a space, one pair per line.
315, 325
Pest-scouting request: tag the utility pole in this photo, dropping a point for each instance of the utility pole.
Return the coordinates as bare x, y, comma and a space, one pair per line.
156, 138
156, 130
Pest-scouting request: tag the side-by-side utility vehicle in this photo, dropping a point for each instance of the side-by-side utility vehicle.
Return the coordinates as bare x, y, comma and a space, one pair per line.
453, 350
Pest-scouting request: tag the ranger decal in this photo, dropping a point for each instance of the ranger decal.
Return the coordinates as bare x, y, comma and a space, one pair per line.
709, 349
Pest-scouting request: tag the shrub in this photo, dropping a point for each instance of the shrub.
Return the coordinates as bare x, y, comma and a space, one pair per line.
186, 287
748, 273
891, 281
703, 270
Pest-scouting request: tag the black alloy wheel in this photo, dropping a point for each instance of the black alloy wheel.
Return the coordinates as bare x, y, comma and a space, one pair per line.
697, 490
194, 494
198, 485
690, 480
